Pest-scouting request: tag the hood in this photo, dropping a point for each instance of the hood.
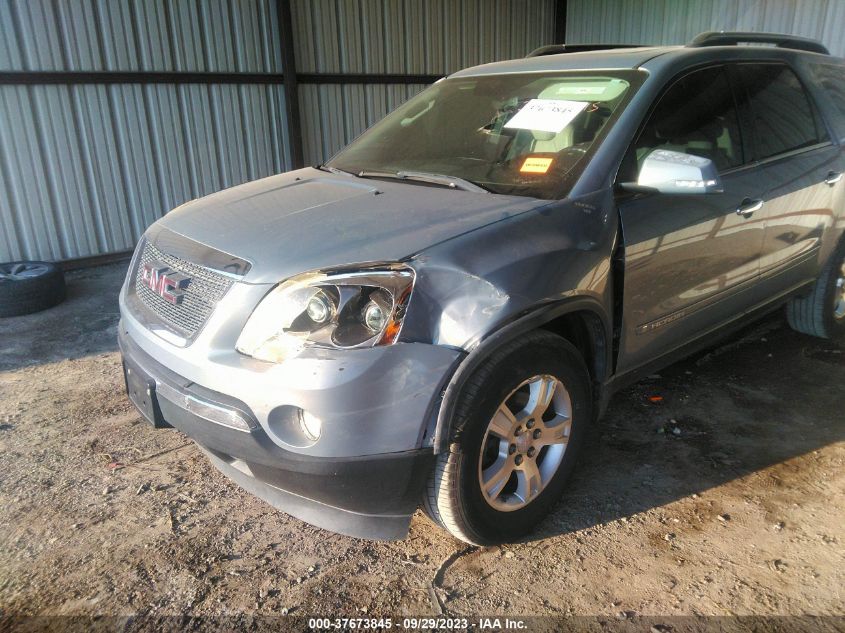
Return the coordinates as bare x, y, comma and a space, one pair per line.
308, 219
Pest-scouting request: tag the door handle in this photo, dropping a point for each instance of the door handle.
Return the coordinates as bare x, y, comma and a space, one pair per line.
833, 177
748, 206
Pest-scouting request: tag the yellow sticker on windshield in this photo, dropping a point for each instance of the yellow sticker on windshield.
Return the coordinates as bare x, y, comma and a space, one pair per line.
536, 165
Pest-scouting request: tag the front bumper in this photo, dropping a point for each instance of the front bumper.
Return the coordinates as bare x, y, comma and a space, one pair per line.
370, 401
368, 496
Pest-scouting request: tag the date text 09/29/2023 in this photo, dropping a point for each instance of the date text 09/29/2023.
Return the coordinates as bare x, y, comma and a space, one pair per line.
416, 624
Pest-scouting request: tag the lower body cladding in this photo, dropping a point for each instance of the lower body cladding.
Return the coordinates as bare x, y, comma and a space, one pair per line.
368, 496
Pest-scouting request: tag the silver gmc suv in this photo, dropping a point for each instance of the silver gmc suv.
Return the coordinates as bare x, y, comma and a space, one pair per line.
435, 316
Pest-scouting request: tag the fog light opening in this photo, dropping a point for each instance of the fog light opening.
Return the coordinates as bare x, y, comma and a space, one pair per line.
288, 425
311, 425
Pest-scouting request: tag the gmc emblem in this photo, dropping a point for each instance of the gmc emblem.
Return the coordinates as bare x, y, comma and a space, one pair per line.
165, 282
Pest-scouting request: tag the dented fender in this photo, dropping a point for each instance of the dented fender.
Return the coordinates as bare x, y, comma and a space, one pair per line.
440, 427
480, 290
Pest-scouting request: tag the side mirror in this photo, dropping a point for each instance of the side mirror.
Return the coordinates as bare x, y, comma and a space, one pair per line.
666, 171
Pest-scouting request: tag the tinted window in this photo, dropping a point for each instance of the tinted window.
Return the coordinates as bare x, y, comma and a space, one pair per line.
832, 79
698, 116
782, 112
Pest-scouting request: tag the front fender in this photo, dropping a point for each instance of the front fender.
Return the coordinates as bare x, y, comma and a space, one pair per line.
481, 289
471, 285
533, 320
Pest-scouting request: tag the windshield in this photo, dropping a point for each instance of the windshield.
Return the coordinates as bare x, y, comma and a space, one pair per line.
520, 134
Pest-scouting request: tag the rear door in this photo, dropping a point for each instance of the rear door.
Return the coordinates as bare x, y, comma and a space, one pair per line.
689, 258
800, 167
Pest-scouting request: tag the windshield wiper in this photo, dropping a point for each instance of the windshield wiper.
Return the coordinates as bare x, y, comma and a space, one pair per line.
453, 182
335, 170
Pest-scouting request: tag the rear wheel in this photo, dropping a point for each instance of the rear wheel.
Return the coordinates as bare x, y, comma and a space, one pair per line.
822, 312
518, 426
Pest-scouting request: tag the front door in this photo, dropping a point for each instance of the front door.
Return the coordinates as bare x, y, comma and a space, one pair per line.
689, 258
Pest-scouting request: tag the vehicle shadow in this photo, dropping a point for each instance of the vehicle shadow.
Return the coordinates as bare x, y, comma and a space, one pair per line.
753, 404
85, 324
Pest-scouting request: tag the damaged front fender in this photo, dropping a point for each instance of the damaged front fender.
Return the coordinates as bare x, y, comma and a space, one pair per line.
482, 289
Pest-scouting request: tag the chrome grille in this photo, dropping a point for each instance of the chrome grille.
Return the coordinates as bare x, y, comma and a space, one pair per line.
205, 289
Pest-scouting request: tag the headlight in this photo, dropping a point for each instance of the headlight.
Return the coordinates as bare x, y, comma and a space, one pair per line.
338, 310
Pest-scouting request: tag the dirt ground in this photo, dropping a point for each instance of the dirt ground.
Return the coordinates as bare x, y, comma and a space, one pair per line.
726, 497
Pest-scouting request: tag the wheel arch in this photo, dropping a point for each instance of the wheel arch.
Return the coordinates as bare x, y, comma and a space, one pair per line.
581, 320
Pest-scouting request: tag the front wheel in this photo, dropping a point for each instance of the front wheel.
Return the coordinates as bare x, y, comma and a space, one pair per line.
519, 423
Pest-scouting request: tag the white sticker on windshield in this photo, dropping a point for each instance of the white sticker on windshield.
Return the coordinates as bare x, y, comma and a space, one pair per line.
546, 115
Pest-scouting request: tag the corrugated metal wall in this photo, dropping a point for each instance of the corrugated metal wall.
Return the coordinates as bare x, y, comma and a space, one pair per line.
414, 36
333, 115
210, 35
403, 37
678, 21
85, 168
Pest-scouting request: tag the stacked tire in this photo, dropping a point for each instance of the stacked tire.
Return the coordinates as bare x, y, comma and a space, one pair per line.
27, 287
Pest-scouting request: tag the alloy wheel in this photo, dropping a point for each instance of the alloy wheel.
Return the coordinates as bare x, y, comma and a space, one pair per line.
22, 270
524, 443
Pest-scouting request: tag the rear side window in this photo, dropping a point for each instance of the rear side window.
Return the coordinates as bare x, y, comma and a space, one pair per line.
832, 79
697, 115
783, 115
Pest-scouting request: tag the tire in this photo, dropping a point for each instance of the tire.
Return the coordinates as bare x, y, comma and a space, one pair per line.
816, 313
454, 497
27, 287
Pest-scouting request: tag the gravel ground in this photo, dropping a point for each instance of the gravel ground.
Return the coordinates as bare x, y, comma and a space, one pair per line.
716, 488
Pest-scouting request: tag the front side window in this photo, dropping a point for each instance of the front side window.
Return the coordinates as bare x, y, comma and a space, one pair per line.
697, 115
783, 115
527, 134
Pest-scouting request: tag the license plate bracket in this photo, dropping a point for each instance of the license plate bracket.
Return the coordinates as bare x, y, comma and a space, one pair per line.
141, 390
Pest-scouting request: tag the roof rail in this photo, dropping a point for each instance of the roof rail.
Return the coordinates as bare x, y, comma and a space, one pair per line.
732, 38
557, 49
